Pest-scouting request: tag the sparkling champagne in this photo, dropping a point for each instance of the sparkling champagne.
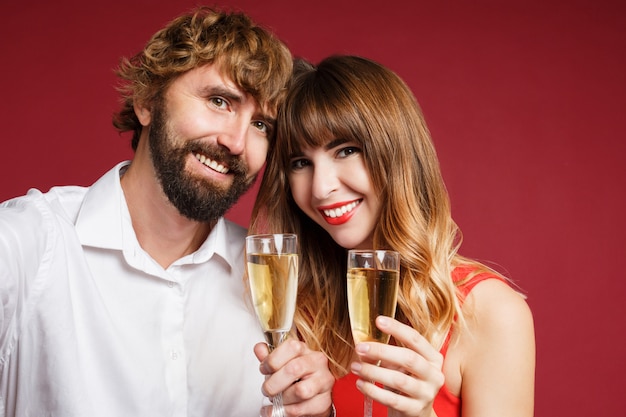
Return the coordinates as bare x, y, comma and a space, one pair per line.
371, 293
273, 284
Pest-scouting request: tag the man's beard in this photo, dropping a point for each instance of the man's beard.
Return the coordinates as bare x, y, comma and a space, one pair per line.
196, 198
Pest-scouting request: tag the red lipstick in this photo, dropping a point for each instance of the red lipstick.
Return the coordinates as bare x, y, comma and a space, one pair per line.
340, 219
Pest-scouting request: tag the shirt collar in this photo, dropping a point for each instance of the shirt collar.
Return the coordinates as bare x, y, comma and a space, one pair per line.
104, 212
218, 242
104, 222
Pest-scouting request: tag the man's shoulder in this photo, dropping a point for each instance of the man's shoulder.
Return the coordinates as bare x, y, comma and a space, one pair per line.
36, 214
62, 200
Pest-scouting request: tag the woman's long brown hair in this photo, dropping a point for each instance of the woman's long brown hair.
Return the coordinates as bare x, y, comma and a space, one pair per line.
360, 100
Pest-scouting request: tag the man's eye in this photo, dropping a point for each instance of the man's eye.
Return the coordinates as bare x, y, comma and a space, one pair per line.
218, 102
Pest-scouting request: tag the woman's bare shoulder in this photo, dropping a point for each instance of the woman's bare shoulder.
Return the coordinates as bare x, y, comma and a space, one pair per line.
497, 302
497, 351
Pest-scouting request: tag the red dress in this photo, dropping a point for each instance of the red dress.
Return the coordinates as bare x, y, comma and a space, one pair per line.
348, 399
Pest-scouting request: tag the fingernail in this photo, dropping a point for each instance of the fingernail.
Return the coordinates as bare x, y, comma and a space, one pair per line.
355, 367
263, 368
362, 348
383, 321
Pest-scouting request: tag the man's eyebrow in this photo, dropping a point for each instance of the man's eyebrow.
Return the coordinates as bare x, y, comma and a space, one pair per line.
220, 90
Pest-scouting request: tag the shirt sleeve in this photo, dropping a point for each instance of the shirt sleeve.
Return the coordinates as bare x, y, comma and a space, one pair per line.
25, 242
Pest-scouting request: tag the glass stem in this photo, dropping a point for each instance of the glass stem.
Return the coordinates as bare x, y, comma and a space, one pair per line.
367, 407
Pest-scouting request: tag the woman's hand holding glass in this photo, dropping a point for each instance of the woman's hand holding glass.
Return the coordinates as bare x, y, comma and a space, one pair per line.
412, 375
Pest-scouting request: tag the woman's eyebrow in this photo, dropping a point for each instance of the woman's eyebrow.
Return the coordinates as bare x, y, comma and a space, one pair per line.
328, 146
334, 143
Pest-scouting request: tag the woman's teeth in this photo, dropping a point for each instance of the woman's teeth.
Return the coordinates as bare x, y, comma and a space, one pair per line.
212, 164
340, 211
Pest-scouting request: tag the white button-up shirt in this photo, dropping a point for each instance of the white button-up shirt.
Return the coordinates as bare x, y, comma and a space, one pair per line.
91, 325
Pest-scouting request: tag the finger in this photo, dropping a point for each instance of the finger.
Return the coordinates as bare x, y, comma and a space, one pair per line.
261, 351
280, 356
397, 390
393, 400
397, 359
301, 375
409, 337
310, 396
266, 411
315, 378
292, 361
303, 379
391, 378
317, 406
400, 381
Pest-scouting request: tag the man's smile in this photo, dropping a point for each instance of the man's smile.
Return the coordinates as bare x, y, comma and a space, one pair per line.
214, 165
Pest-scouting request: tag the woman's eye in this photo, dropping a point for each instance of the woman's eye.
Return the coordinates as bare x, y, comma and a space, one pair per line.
262, 126
297, 164
347, 151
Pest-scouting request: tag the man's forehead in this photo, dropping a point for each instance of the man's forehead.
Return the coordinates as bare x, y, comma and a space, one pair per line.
214, 76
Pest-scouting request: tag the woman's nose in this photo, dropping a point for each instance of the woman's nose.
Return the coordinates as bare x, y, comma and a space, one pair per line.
325, 181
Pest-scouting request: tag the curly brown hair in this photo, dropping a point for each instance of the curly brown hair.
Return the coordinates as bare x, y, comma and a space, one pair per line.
256, 61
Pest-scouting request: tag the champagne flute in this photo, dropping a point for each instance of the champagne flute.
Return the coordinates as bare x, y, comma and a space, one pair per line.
373, 277
272, 266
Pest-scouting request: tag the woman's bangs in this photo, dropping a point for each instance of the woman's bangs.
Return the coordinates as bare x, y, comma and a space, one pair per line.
320, 120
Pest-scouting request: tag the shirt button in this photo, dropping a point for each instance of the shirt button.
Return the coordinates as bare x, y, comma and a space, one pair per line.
174, 355
170, 284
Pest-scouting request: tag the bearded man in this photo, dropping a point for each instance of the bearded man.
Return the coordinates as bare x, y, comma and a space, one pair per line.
126, 298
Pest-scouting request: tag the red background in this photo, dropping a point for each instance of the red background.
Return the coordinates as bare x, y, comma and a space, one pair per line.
525, 101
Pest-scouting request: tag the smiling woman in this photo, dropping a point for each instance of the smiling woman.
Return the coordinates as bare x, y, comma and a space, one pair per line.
354, 167
331, 185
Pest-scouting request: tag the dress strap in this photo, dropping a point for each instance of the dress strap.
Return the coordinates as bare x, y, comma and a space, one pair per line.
465, 285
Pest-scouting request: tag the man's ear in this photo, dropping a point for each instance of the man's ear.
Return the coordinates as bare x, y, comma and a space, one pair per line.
143, 114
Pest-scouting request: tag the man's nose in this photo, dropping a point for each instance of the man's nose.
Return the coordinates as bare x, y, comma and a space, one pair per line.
234, 136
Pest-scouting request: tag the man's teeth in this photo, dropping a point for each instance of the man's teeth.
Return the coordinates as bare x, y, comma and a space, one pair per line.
212, 164
340, 211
